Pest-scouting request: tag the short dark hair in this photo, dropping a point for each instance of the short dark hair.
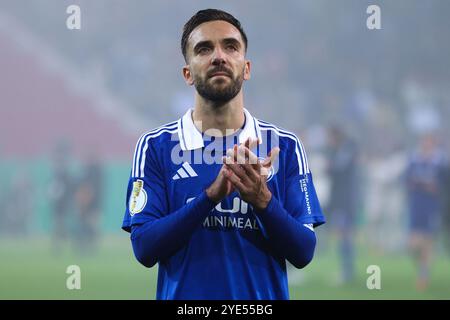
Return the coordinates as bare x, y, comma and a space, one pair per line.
207, 15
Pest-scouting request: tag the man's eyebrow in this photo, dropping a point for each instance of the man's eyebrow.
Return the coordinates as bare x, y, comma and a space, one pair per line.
232, 40
204, 43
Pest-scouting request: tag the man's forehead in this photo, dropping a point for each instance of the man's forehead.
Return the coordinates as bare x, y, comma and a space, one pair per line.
214, 30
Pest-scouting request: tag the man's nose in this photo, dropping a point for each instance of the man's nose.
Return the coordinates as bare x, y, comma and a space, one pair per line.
218, 57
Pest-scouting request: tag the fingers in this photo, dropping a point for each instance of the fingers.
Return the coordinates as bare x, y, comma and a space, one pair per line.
239, 156
242, 154
238, 170
273, 155
250, 143
245, 155
230, 155
267, 163
234, 179
247, 162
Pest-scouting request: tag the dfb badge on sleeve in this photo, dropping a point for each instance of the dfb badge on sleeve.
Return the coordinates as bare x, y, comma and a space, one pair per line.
138, 198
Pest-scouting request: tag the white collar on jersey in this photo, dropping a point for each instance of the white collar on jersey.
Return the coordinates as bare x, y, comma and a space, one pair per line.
191, 138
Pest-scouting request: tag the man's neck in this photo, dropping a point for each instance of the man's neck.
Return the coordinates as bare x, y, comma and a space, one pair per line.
219, 120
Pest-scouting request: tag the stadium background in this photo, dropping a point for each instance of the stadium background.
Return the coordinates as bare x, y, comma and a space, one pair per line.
95, 90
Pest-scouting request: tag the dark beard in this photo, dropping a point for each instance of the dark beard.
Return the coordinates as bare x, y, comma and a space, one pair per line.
218, 95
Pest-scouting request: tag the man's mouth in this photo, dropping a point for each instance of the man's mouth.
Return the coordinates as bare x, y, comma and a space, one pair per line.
220, 73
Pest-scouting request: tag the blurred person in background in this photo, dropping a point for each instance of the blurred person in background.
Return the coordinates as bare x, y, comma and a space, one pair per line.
446, 208
424, 178
61, 194
18, 205
2, 194
384, 197
88, 198
342, 157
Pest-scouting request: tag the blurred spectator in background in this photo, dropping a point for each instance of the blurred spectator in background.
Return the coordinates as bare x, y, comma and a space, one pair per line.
88, 205
384, 197
61, 196
2, 193
18, 205
446, 208
424, 178
342, 171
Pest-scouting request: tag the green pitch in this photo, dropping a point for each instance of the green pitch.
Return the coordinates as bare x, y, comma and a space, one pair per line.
28, 270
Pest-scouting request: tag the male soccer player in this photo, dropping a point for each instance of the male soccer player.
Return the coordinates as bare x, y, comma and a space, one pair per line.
424, 178
219, 199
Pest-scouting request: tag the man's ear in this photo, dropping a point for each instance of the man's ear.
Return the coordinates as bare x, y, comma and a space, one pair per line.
187, 75
247, 68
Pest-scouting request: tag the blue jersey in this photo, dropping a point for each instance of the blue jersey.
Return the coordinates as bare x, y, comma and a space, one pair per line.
229, 252
425, 179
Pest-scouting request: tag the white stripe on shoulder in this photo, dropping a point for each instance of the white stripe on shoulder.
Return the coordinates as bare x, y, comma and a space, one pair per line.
142, 139
300, 146
299, 149
304, 155
140, 169
137, 151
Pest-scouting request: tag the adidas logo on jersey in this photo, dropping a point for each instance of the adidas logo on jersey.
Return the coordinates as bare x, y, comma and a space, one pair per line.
185, 171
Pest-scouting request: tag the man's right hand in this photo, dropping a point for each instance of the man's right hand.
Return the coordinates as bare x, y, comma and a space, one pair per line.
220, 188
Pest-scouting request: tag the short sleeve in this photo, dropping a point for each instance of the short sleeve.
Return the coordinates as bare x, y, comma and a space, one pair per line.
301, 197
146, 198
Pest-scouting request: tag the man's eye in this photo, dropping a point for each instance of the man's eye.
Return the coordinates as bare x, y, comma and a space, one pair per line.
203, 50
231, 47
